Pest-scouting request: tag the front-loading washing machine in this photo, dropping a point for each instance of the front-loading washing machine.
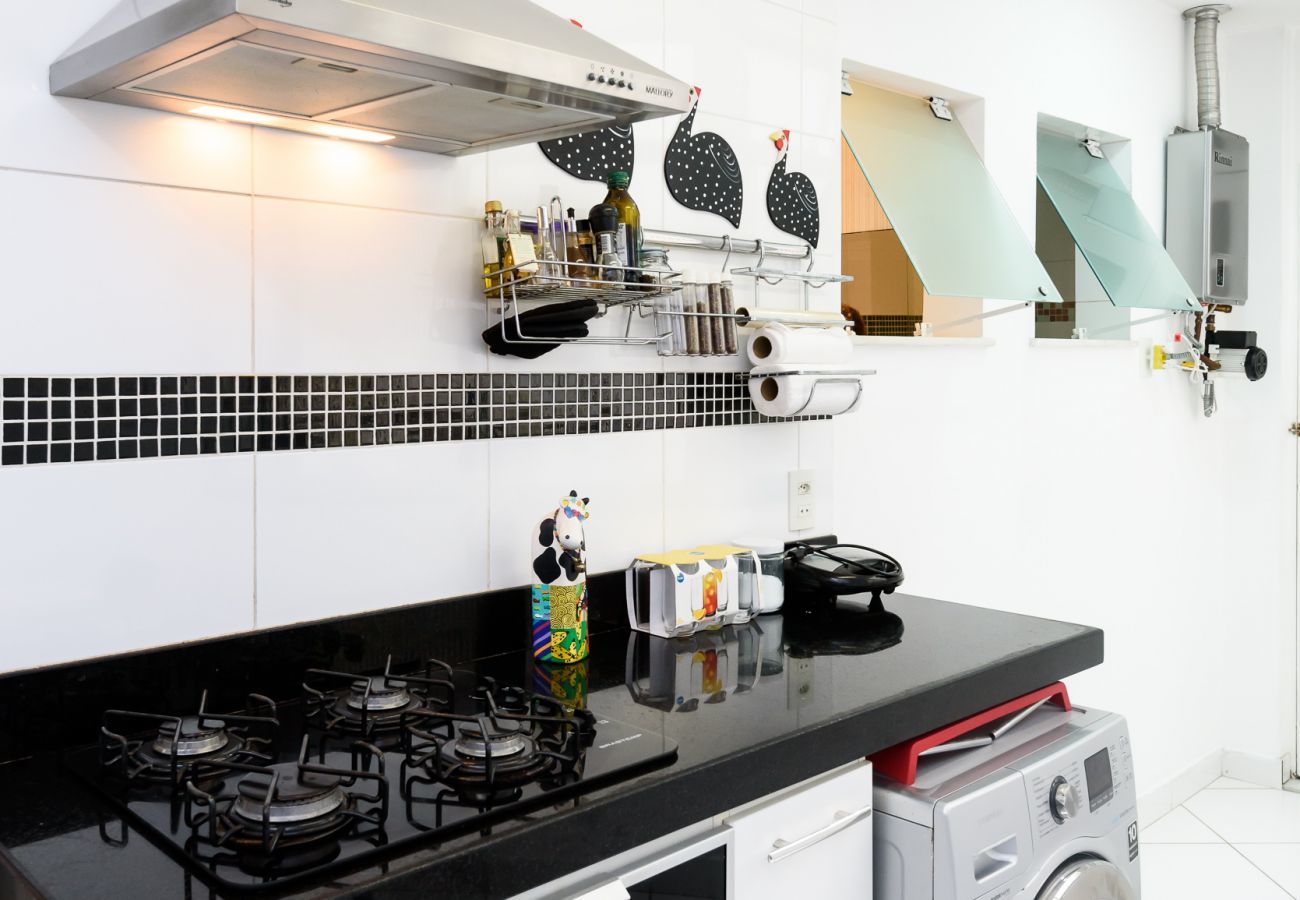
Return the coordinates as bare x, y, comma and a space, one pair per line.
1046, 811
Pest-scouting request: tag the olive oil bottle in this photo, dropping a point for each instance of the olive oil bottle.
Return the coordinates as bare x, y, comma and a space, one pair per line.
494, 239
627, 238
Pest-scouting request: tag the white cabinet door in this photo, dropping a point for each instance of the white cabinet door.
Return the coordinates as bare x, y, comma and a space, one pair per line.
812, 843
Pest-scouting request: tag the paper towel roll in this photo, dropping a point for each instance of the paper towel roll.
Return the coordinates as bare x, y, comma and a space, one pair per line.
786, 395
777, 344
762, 315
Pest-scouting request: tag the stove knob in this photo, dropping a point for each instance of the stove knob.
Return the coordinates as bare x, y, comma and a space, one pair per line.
1062, 800
591, 76
621, 82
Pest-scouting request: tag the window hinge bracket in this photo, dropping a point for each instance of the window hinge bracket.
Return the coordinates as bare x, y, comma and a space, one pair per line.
939, 107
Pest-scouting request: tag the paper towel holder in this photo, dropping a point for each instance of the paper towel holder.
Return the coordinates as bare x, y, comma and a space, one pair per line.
823, 376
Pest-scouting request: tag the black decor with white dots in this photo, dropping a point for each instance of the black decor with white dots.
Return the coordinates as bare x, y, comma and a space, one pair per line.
792, 199
96, 418
702, 171
592, 155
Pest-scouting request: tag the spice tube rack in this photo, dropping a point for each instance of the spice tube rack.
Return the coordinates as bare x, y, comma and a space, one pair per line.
806, 278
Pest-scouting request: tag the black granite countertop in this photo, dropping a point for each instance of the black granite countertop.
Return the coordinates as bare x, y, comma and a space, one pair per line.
816, 694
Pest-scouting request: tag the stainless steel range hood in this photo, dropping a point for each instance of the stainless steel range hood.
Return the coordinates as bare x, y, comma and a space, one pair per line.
444, 76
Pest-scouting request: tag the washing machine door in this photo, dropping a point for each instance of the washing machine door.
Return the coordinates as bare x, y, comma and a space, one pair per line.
1088, 879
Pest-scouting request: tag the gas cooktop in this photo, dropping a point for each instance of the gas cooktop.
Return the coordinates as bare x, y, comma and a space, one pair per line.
358, 770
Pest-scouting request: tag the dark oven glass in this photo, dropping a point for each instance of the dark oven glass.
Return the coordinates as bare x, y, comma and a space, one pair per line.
702, 877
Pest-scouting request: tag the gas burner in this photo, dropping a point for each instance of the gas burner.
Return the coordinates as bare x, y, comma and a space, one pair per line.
181, 742
379, 693
278, 809
339, 702
473, 743
484, 758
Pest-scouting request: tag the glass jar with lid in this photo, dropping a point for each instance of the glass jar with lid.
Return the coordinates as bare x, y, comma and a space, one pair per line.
654, 266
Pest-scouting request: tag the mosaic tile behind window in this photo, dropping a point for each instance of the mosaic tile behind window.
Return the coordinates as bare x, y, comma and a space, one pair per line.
80, 419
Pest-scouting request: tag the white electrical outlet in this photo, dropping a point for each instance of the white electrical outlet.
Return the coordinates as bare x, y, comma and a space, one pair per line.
803, 499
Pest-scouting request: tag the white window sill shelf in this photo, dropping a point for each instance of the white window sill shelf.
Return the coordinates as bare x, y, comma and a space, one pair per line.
1071, 344
879, 340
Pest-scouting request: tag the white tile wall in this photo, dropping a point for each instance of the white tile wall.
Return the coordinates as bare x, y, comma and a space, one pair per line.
115, 277
349, 532
821, 79
726, 483
170, 244
52, 134
101, 558
349, 289
621, 473
740, 55
304, 167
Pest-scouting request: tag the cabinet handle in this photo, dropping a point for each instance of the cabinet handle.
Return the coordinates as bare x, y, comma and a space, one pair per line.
782, 849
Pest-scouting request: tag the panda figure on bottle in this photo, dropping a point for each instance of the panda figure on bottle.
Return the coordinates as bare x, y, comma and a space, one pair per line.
559, 553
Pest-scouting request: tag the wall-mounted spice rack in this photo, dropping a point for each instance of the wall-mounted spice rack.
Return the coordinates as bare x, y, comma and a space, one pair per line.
557, 281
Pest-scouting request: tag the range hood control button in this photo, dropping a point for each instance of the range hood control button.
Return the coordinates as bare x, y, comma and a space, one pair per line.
630, 87
621, 82
591, 76
601, 79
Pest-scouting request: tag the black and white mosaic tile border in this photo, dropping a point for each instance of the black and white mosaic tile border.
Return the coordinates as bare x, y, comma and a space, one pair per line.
52, 419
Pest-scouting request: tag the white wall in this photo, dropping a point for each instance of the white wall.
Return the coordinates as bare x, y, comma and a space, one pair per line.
1061, 483
1066, 482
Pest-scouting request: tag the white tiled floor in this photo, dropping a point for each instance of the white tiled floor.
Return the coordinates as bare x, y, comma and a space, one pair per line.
1233, 839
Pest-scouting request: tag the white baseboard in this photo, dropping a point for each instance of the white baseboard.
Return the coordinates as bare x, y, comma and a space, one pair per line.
1254, 768
1265, 771
1163, 798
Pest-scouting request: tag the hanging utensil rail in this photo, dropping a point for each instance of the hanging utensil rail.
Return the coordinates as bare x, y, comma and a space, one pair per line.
690, 240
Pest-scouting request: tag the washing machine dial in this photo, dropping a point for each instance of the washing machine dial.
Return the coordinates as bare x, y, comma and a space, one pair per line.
1062, 800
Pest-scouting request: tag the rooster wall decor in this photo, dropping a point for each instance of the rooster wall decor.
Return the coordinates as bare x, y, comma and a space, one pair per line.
702, 171
592, 155
791, 197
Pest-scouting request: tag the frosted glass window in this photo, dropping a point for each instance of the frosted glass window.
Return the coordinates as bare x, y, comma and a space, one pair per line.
1119, 245
954, 224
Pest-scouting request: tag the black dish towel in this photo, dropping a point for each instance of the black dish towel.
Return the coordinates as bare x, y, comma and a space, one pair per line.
555, 320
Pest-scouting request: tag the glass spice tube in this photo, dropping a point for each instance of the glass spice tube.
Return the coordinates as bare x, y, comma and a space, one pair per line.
678, 323
730, 337
719, 328
692, 321
705, 323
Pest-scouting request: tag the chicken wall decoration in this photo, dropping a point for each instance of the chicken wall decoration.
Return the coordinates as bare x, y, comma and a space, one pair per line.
791, 197
592, 155
702, 171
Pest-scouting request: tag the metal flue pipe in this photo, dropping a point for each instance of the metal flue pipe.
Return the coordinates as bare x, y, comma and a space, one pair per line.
1206, 47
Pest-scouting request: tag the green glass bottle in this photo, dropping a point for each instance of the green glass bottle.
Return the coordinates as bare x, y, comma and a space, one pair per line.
628, 237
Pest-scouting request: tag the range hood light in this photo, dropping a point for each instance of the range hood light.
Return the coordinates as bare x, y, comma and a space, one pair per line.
233, 115
353, 134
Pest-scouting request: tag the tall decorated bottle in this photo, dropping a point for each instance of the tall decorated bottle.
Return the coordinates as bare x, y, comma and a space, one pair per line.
559, 553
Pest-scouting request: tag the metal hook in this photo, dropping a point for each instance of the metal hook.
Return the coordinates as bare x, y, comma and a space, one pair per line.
812, 257
762, 252
726, 245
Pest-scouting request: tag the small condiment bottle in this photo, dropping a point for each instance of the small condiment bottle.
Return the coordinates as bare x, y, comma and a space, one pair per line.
604, 226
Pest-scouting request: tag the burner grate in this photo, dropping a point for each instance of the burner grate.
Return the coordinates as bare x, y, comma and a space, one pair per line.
289, 805
344, 703
182, 743
512, 741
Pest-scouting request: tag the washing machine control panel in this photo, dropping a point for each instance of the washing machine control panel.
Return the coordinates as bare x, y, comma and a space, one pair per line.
1088, 779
